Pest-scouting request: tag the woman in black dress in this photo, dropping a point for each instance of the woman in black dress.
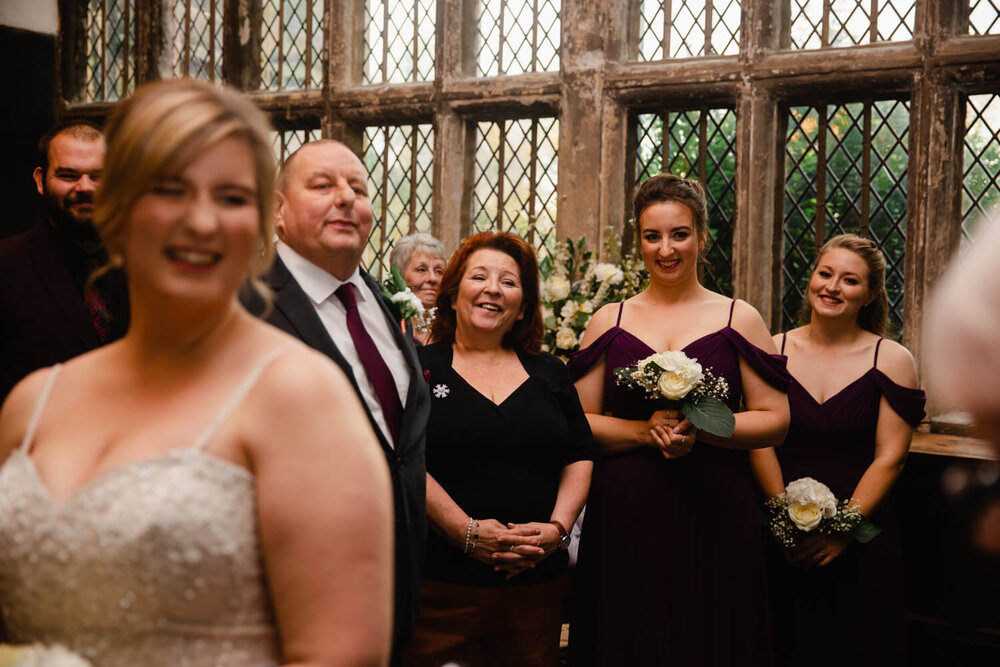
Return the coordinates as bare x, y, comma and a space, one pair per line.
854, 405
508, 463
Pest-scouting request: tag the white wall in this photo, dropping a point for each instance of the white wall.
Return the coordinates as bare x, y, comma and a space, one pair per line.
35, 15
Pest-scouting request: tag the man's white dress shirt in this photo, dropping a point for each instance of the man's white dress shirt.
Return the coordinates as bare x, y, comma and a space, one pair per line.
320, 286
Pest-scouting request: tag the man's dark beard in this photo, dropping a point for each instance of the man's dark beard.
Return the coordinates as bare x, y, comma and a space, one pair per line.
81, 231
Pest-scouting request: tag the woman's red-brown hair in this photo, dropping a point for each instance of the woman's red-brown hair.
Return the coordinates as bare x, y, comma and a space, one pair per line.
526, 335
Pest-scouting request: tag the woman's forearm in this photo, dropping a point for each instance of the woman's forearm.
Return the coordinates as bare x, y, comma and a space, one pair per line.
767, 470
754, 429
573, 488
444, 515
613, 435
877, 481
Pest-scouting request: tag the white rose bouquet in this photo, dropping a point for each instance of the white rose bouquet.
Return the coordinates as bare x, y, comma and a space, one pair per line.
573, 288
807, 505
408, 306
683, 385
36, 655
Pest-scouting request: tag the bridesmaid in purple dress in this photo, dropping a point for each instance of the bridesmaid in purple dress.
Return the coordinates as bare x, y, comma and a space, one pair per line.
671, 565
854, 406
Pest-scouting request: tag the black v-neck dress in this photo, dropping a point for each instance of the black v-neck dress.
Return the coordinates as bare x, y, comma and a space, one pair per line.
503, 461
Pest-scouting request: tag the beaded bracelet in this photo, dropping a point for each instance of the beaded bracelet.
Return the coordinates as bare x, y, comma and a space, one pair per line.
475, 538
468, 534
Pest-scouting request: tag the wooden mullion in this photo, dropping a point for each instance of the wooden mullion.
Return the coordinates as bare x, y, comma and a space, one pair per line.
125, 48
534, 35
667, 10
385, 198
502, 41
820, 235
873, 16
824, 38
187, 38
707, 50
415, 75
211, 40
281, 44
309, 42
866, 166
703, 147
664, 145
501, 172
104, 48
533, 182
414, 134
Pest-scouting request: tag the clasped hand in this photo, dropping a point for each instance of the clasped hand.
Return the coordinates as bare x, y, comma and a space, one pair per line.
817, 550
514, 548
672, 433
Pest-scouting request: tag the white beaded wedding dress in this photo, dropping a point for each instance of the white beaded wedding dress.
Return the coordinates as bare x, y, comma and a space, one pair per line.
155, 563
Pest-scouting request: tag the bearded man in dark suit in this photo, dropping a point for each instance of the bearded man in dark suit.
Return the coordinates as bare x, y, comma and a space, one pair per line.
321, 296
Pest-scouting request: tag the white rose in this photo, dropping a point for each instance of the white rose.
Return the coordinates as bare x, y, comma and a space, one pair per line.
569, 309
565, 339
408, 298
809, 502
680, 374
587, 307
608, 272
556, 288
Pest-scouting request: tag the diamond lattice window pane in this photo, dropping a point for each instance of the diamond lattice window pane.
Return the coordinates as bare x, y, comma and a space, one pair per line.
399, 40
517, 36
291, 44
816, 24
693, 28
514, 179
700, 144
196, 38
832, 145
287, 142
984, 17
110, 68
399, 159
981, 173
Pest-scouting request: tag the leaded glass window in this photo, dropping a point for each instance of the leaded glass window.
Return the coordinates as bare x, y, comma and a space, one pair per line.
981, 173
399, 40
517, 36
685, 28
821, 23
110, 29
196, 38
291, 45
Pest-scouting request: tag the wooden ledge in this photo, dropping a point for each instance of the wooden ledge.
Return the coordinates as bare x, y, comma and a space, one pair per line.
956, 446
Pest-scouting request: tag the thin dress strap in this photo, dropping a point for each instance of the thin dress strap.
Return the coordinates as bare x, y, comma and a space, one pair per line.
877, 346
621, 306
732, 307
784, 336
239, 395
36, 416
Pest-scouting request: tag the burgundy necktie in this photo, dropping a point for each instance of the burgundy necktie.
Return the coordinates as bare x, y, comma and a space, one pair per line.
378, 373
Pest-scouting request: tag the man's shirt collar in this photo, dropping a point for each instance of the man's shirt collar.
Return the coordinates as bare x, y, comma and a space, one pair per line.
314, 281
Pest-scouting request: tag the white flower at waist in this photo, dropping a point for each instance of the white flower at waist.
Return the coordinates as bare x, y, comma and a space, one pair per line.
36, 655
406, 298
608, 272
809, 502
565, 338
556, 288
680, 373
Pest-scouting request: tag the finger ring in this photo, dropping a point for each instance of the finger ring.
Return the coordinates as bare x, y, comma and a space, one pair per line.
822, 556
684, 440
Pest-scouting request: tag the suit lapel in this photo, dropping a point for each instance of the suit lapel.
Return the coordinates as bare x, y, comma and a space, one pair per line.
57, 282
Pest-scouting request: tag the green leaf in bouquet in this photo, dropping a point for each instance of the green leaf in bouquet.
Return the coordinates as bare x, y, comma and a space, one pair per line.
710, 414
397, 279
581, 242
865, 531
545, 268
550, 322
581, 319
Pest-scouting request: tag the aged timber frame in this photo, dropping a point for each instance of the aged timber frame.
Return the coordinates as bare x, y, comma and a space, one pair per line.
596, 92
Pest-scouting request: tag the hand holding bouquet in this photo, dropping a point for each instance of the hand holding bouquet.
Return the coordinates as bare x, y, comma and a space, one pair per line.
807, 505
681, 383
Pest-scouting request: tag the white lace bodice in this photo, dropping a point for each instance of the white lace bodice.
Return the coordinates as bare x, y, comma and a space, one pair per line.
155, 563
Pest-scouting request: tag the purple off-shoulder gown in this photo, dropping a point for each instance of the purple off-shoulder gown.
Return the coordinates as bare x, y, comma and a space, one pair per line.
671, 565
859, 596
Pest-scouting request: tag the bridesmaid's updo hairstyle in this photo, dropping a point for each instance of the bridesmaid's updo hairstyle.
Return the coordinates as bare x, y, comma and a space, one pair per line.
161, 129
526, 334
668, 187
873, 317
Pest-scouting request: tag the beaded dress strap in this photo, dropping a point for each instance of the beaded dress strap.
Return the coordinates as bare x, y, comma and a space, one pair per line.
239, 395
784, 337
36, 416
732, 307
877, 346
621, 307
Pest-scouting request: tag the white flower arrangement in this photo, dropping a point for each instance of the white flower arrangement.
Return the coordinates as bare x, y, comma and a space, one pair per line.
807, 505
682, 383
573, 288
407, 304
37, 655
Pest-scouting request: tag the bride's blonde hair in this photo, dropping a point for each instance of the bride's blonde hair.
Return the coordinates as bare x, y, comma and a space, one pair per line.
160, 130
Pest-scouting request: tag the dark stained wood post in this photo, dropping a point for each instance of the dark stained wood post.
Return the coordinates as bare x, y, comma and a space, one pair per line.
72, 50
241, 43
151, 50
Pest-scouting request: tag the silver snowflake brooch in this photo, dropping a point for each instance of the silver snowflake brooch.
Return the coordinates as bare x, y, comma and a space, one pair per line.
441, 390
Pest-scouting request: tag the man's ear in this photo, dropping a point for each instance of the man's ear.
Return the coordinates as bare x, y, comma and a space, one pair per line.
279, 214
39, 176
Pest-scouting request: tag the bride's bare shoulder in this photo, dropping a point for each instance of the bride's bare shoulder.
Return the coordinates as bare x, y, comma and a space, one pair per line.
17, 409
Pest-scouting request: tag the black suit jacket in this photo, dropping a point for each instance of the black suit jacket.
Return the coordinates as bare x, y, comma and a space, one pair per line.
294, 313
43, 318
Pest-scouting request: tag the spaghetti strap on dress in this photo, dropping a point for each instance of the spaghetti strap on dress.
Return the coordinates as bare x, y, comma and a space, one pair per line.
671, 565
861, 592
155, 563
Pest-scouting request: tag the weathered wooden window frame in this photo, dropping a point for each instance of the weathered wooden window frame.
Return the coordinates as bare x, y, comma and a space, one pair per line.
600, 82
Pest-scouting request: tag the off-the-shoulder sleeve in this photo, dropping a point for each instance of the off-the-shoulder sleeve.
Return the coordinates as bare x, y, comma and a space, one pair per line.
906, 401
580, 441
581, 361
772, 368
